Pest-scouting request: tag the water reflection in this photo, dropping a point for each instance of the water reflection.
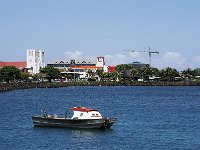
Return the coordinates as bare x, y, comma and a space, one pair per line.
89, 134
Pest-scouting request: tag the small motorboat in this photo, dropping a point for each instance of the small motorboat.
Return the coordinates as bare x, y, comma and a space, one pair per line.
83, 118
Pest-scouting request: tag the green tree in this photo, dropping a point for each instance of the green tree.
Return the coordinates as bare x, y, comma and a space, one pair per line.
197, 72
134, 74
25, 76
10, 73
51, 73
155, 72
123, 67
113, 75
105, 76
168, 74
188, 73
147, 72
124, 70
100, 73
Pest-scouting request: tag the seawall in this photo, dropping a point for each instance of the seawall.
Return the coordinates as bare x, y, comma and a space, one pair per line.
4, 87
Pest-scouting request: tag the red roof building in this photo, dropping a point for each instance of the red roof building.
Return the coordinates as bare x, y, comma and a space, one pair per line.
20, 64
111, 69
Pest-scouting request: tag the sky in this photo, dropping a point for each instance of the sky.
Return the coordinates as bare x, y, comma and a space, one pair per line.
72, 29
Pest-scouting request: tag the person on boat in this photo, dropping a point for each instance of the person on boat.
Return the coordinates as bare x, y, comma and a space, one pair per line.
45, 113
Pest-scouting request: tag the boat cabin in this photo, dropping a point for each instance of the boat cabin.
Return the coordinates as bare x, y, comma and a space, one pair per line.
85, 113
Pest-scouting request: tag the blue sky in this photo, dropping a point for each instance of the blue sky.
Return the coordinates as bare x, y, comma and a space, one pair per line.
90, 28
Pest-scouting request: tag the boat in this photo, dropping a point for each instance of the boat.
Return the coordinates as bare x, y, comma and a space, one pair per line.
83, 118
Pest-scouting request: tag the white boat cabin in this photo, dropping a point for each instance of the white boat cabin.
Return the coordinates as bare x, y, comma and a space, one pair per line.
85, 113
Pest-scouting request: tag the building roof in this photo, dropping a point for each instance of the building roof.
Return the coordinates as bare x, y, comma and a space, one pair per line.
111, 69
136, 63
19, 64
76, 61
85, 67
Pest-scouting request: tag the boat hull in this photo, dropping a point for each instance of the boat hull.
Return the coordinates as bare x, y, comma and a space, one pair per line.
41, 121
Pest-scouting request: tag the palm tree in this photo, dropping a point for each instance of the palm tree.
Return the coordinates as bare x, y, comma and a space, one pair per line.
188, 73
113, 75
168, 74
147, 72
51, 73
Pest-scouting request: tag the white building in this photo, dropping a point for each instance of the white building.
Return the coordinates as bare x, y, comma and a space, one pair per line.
34, 60
100, 62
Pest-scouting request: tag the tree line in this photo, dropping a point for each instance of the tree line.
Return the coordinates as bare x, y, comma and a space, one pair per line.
123, 72
128, 72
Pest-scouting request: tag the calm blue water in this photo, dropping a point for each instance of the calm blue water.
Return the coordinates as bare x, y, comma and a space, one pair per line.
148, 118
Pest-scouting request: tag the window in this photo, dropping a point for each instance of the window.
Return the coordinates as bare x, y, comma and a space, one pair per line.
100, 59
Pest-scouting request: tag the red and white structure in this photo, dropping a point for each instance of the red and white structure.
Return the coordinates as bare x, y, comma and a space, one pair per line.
85, 113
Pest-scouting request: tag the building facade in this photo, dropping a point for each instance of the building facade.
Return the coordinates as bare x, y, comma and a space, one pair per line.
80, 67
35, 60
100, 62
138, 65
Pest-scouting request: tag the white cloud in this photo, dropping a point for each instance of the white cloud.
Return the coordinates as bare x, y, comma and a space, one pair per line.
169, 59
195, 62
197, 59
172, 57
135, 54
174, 60
124, 58
73, 55
115, 59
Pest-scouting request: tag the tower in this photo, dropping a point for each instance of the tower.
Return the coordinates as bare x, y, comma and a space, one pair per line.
100, 62
35, 60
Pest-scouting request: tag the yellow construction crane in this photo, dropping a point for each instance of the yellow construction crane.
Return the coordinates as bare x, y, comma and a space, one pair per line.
149, 51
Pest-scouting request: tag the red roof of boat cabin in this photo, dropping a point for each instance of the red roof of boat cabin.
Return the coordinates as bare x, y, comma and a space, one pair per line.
83, 109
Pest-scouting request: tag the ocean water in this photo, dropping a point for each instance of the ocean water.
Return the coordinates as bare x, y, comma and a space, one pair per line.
149, 118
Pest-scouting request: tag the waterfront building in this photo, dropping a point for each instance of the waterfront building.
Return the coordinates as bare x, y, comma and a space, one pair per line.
80, 68
86, 72
35, 60
138, 65
111, 69
61, 64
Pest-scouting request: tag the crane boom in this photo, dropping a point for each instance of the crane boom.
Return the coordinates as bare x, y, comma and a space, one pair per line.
149, 52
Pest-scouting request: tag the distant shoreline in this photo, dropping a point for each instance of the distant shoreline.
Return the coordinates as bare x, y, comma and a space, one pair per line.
5, 87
